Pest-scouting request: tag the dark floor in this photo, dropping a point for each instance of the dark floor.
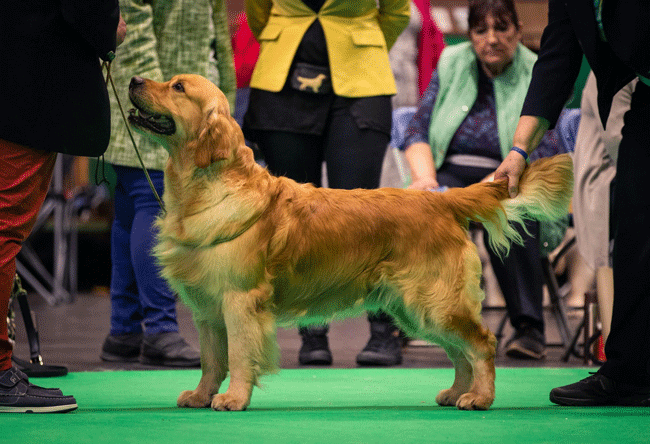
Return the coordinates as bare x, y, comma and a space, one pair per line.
71, 335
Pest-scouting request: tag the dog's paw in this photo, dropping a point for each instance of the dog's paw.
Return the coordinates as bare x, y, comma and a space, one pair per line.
474, 401
193, 399
226, 402
448, 397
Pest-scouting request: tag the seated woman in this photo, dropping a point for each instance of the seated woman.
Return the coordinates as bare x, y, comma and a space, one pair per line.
461, 132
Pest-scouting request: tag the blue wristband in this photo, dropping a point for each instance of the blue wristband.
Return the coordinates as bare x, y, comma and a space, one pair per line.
520, 151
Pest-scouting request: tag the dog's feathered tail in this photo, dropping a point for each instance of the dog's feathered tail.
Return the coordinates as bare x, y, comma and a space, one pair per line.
545, 191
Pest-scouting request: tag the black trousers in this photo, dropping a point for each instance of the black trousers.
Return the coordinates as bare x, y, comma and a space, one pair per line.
628, 345
519, 274
353, 156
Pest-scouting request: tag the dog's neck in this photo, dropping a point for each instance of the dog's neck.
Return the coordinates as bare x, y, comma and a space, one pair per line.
230, 194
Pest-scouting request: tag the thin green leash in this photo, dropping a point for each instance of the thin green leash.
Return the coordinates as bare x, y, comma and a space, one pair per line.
109, 79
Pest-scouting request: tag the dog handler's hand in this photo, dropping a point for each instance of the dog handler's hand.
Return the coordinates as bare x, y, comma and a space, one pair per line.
511, 168
529, 132
121, 31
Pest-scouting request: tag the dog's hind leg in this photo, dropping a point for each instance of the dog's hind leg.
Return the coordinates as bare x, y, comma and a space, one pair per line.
451, 315
252, 345
473, 349
213, 341
468, 345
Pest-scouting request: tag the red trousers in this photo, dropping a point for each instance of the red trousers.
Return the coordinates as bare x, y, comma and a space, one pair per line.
25, 176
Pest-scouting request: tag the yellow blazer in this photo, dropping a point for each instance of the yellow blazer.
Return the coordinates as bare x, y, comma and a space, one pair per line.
358, 34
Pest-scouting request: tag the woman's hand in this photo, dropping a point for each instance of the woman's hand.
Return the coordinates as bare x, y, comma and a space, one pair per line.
423, 169
529, 132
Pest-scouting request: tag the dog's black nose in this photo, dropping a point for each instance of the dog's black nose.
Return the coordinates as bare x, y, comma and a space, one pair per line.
136, 81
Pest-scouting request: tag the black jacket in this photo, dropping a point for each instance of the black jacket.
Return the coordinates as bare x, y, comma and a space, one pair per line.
571, 32
52, 93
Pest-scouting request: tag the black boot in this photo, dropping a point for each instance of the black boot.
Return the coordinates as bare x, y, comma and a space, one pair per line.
315, 349
384, 346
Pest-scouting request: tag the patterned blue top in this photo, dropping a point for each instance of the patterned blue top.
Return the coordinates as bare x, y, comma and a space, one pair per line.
478, 134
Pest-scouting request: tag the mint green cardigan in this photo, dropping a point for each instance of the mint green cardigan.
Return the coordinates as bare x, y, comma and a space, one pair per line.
458, 74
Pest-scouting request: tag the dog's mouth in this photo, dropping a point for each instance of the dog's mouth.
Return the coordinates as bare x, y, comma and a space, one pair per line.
156, 123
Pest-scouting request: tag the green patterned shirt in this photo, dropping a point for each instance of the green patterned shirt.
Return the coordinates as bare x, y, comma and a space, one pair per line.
165, 38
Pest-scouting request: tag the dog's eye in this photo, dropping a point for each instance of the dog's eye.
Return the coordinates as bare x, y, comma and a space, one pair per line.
178, 86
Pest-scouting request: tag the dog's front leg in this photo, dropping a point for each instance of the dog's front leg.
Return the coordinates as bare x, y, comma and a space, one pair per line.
213, 341
252, 348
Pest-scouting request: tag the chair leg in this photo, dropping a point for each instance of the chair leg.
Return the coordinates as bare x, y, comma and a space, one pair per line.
557, 304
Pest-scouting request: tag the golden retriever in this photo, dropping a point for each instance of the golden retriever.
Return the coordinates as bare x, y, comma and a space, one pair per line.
246, 250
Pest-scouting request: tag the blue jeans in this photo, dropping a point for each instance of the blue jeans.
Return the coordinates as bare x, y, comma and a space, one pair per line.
139, 296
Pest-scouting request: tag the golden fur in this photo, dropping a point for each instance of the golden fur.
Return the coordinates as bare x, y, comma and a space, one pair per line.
246, 250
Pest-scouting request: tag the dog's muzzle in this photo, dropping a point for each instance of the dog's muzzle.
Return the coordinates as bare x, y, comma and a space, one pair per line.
142, 118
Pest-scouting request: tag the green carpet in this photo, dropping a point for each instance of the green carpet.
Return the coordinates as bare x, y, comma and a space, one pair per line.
324, 406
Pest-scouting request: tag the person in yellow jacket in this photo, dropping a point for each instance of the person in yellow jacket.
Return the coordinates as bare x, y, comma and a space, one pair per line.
320, 92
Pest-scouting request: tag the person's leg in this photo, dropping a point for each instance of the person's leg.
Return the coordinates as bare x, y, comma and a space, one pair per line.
25, 176
124, 340
296, 156
299, 157
521, 281
624, 379
162, 343
354, 157
156, 298
628, 345
126, 311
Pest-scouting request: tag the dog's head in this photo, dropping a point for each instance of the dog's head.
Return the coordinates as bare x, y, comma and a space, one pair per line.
187, 115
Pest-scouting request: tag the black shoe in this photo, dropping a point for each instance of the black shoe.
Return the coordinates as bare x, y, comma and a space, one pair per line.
18, 395
384, 346
122, 348
527, 343
599, 390
168, 349
315, 348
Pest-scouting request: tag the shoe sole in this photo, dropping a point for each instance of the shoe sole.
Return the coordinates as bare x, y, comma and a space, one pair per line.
316, 357
117, 358
371, 359
572, 402
162, 363
46, 409
631, 401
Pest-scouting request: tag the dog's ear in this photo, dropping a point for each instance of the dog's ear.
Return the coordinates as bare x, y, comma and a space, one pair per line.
216, 139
